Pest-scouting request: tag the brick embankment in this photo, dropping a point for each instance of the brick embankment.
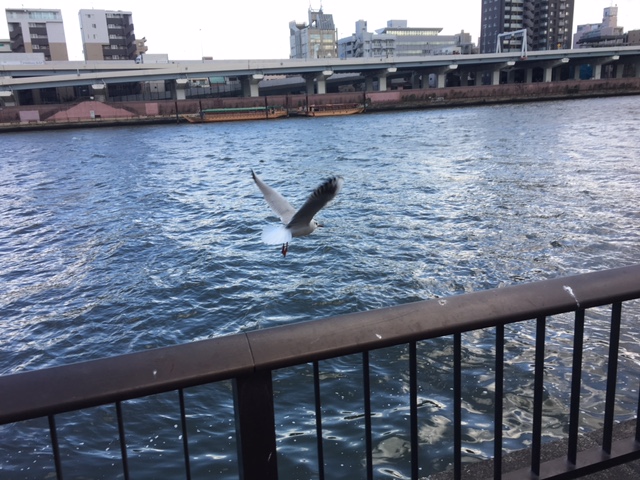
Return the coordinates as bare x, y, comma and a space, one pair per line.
98, 114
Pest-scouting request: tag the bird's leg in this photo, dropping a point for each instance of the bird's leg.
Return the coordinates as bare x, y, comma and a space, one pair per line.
285, 248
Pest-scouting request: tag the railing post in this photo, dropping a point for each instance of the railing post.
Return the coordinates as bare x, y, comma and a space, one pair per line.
255, 426
612, 378
413, 409
123, 441
576, 383
366, 373
319, 436
457, 406
55, 446
498, 418
538, 386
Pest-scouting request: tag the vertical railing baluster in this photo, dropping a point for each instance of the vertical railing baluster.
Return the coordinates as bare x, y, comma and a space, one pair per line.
498, 403
612, 377
255, 426
55, 447
319, 436
185, 437
367, 414
457, 406
413, 409
538, 385
123, 442
576, 383
638, 420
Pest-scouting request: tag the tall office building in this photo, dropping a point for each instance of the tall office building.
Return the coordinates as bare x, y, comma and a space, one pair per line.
548, 24
315, 40
107, 35
37, 30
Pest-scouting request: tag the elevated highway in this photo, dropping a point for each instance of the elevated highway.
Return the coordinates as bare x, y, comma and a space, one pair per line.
316, 73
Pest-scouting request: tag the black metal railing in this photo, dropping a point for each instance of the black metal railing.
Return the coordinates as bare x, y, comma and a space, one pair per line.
249, 360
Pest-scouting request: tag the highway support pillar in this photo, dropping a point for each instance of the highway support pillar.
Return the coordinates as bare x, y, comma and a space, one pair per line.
321, 80
8, 98
548, 67
441, 75
382, 83
464, 78
181, 88
416, 80
478, 74
381, 76
495, 77
597, 71
251, 84
317, 82
99, 92
576, 72
368, 83
310, 83
497, 71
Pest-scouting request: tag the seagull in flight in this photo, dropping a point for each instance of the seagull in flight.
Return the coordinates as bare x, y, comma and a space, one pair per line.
296, 223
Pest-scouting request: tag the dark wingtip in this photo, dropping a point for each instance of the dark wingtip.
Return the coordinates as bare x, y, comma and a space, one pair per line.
331, 184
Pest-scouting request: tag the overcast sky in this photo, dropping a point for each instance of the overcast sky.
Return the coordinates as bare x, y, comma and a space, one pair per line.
255, 29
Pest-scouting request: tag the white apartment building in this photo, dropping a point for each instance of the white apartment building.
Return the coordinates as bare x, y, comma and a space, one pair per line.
107, 35
37, 31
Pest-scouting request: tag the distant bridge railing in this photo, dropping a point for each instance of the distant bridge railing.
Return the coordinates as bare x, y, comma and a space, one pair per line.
248, 359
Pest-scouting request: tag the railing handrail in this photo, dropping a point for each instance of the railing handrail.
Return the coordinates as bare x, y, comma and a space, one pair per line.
82, 385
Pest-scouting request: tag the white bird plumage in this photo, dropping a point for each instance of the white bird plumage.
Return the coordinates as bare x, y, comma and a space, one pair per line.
295, 223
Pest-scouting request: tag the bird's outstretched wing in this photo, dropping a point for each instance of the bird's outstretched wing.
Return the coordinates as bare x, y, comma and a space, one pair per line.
318, 199
277, 202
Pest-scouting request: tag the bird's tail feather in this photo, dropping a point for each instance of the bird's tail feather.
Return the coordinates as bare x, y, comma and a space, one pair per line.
276, 235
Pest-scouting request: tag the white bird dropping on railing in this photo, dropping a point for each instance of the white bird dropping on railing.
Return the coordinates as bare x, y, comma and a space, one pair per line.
569, 290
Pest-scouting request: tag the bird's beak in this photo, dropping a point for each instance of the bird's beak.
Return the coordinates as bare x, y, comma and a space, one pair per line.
320, 225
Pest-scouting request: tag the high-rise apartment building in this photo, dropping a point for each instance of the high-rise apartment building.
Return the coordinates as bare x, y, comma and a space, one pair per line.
315, 40
37, 31
548, 24
107, 35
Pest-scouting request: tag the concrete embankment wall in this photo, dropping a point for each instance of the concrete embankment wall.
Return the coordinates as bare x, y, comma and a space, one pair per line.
94, 113
488, 94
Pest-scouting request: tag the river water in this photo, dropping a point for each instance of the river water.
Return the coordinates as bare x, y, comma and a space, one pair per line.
117, 240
